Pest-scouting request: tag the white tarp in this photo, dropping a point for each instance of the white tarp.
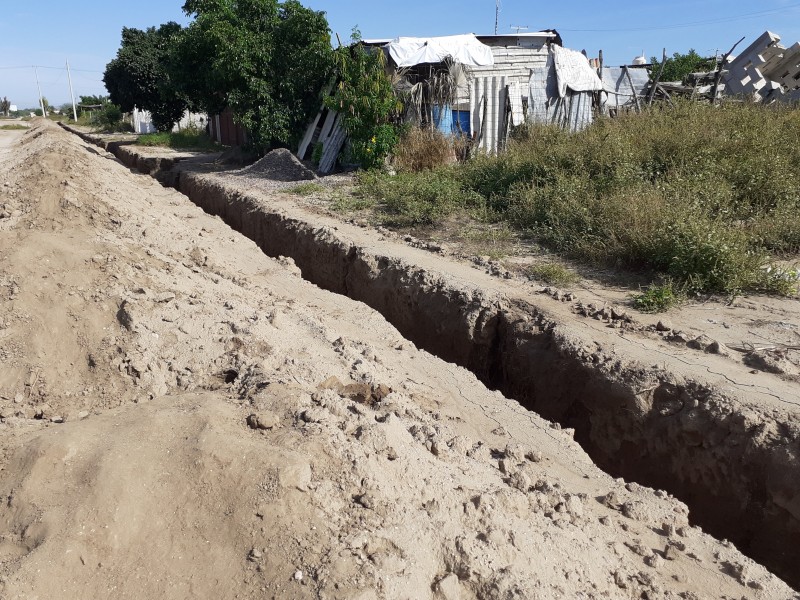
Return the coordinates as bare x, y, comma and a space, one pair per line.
574, 72
464, 49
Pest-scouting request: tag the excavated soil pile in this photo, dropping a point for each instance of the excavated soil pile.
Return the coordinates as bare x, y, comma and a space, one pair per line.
279, 165
183, 417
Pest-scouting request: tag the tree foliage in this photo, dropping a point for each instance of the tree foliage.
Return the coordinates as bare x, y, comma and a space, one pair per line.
139, 76
678, 66
5, 106
267, 61
366, 99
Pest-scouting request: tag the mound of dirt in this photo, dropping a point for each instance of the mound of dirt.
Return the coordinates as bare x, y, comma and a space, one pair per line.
199, 422
280, 165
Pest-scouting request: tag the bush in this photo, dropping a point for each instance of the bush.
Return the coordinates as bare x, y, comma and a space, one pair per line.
658, 298
410, 199
422, 149
706, 195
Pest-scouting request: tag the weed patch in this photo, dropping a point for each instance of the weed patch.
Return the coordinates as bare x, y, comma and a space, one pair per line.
552, 274
306, 189
707, 196
658, 298
187, 139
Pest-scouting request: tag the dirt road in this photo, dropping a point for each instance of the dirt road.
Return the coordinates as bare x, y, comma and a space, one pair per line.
183, 417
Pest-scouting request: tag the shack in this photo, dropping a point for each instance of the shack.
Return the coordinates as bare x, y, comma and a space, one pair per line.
480, 86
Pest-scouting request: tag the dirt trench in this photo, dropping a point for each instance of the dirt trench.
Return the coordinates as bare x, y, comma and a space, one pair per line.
734, 463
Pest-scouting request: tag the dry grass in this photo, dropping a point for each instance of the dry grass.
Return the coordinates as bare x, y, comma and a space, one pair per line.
708, 196
421, 150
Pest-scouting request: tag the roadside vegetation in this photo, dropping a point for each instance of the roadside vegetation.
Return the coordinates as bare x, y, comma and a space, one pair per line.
189, 138
267, 61
706, 196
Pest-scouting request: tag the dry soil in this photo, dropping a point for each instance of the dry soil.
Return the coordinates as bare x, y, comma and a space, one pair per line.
183, 417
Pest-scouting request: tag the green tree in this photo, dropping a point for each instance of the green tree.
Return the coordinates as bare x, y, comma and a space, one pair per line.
5, 106
677, 67
139, 76
367, 102
267, 61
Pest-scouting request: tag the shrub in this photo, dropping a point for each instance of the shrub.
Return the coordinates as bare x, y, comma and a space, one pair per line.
366, 100
658, 298
706, 195
421, 149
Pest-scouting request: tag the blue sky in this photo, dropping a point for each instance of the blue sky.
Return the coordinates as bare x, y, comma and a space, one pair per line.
87, 33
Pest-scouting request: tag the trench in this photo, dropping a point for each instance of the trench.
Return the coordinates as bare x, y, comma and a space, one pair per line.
679, 435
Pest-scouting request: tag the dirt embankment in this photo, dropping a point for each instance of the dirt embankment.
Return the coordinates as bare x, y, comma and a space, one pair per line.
721, 437
183, 417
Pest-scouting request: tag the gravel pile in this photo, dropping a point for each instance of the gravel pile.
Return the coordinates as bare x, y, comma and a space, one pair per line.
280, 165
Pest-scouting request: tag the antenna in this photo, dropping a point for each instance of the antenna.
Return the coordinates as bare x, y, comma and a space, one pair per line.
519, 28
496, 15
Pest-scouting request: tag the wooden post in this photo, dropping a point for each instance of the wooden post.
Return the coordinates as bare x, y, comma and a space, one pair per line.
718, 76
633, 89
657, 80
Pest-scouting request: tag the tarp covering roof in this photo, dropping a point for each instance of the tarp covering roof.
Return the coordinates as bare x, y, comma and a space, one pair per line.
574, 72
464, 49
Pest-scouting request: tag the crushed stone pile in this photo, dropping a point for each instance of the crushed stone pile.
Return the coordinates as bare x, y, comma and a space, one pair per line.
280, 165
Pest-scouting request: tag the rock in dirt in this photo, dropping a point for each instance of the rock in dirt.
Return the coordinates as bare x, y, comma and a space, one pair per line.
263, 420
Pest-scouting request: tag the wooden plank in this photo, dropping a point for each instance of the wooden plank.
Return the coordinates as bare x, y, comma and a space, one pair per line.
327, 126
301, 150
331, 147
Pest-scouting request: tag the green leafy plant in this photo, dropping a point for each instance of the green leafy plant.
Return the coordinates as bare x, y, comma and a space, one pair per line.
658, 298
679, 65
268, 61
366, 100
139, 75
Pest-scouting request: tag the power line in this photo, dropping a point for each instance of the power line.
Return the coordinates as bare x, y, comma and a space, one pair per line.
728, 19
52, 68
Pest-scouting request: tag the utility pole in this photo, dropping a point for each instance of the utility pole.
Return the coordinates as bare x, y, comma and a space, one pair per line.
72, 94
39, 87
496, 15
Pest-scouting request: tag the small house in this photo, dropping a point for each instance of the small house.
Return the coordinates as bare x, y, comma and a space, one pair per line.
480, 86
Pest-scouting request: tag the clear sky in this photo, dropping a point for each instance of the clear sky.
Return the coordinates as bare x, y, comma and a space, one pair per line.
87, 33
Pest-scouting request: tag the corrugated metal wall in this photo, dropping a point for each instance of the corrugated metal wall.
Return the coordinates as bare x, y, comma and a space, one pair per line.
488, 112
489, 99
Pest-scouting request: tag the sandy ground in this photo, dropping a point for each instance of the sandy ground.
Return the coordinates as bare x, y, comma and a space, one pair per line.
183, 417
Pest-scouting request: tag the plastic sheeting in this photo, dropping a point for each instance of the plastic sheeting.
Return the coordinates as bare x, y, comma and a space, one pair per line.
615, 83
464, 49
547, 104
574, 72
